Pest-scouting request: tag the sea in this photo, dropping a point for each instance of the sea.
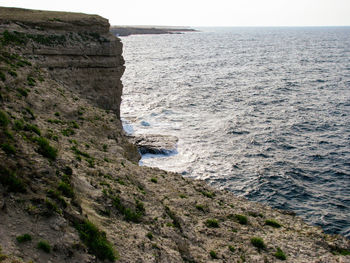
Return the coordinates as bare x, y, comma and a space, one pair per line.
262, 112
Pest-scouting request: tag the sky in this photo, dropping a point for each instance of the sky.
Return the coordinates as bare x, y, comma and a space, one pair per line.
203, 12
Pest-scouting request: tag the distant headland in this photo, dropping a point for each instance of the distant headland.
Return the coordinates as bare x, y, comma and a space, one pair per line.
145, 30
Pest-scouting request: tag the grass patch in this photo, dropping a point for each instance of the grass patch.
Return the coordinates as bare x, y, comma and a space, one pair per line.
44, 246
68, 132
8, 148
10, 179
24, 238
45, 149
78, 152
22, 92
32, 128
66, 189
2, 76
4, 120
133, 215
213, 254
340, 251
280, 254
74, 125
18, 125
51, 207
212, 223
30, 112
243, 220
258, 242
31, 81
96, 241
55, 121
172, 215
12, 73
273, 223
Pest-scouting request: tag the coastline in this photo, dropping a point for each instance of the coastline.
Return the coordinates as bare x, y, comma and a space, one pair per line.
70, 171
123, 31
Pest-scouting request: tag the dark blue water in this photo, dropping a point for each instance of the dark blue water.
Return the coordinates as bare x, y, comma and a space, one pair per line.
263, 112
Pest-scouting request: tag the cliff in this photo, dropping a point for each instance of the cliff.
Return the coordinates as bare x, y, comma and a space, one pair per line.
70, 186
77, 49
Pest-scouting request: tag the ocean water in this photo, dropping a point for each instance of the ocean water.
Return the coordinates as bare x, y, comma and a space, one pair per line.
262, 112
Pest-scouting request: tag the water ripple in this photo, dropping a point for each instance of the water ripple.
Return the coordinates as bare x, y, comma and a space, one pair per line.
262, 112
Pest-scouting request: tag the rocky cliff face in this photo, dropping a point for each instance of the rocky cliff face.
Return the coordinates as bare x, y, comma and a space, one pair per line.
77, 49
70, 186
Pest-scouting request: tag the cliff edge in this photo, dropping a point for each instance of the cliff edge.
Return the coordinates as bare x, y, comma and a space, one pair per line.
70, 186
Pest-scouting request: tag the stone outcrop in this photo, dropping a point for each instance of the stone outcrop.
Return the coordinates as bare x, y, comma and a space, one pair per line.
77, 49
155, 143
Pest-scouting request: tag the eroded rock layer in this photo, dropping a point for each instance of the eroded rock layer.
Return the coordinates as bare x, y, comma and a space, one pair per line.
77, 49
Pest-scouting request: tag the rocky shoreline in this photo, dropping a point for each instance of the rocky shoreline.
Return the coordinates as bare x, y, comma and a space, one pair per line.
71, 189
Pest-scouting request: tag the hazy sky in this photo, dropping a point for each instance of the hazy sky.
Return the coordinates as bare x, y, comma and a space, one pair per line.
204, 12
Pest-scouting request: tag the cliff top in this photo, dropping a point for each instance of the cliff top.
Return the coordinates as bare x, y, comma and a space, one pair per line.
54, 20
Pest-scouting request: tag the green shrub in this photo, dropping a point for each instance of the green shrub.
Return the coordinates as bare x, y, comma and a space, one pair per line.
154, 180
201, 208
10, 179
129, 214
68, 132
13, 38
213, 254
105, 147
22, 92
149, 235
78, 152
213, 223
172, 215
31, 81
96, 241
74, 125
67, 170
8, 148
8, 134
243, 220
57, 114
32, 128
24, 238
208, 194
2, 76
46, 149
12, 73
57, 195
51, 207
66, 189
44, 246
340, 251
273, 223
18, 125
231, 248
30, 112
280, 254
4, 120
258, 242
